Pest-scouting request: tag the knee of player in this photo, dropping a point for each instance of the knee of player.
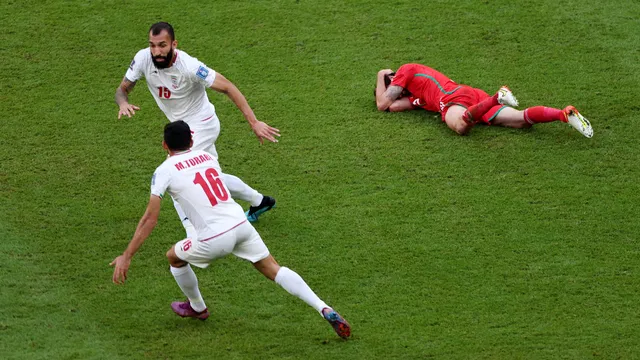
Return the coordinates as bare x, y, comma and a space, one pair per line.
173, 258
268, 267
462, 129
525, 125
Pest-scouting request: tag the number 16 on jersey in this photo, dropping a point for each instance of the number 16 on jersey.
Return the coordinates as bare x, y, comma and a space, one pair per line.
212, 186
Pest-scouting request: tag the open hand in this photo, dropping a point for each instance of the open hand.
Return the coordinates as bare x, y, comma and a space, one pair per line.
264, 131
121, 263
128, 110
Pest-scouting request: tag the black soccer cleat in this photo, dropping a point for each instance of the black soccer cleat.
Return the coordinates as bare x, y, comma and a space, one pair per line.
254, 212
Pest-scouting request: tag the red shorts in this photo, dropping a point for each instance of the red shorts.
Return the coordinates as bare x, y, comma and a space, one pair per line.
466, 96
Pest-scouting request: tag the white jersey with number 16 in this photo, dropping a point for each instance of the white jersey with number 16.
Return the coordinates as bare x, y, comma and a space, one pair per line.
192, 178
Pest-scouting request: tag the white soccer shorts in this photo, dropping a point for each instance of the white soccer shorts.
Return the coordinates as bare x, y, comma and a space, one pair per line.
242, 241
205, 135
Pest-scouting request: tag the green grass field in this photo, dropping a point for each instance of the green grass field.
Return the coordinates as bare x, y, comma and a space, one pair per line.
505, 244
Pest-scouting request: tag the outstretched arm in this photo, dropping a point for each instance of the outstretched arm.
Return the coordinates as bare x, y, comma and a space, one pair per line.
261, 129
144, 229
386, 96
122, 98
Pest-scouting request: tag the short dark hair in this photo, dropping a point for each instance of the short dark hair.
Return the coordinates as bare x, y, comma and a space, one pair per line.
387, 79
158, 27
177, 135
387, 82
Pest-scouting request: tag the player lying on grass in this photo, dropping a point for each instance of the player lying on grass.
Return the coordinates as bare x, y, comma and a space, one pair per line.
415, 86
192, 177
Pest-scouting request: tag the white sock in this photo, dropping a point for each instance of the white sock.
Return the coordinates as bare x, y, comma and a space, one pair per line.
295, 285
188, 282
188, 226
240, 190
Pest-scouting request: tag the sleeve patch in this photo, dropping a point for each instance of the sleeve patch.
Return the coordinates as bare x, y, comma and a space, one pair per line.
133, 62
202, 72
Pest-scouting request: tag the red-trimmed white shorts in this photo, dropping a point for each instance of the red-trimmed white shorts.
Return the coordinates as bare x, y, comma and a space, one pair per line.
241, 240
205, 133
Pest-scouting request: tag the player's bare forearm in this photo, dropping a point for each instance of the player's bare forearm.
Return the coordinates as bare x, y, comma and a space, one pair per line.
144, 229
261, 129
402, 104
222, 85
122, 92
242, 104
385, 96
122, 98
145, 226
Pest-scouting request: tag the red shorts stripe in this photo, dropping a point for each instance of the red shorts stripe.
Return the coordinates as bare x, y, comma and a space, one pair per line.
222, 233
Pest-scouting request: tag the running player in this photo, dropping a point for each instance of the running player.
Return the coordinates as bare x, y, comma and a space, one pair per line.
416, 86
178, 83
192, 178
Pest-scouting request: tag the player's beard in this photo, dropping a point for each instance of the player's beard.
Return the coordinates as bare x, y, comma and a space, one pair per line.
167, 60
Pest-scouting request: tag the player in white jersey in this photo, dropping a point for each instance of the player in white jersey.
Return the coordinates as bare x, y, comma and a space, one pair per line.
192, 178
178, 82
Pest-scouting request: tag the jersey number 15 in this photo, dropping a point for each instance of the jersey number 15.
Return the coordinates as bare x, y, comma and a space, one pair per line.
212, 186
163, 92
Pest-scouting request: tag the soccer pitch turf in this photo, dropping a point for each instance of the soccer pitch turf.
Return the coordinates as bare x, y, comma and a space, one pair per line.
504, 244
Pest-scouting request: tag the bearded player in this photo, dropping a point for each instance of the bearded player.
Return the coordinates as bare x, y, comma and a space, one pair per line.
179, 83
415, 86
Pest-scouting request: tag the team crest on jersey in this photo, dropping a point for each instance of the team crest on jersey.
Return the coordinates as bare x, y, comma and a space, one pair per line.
174, 81
133, 62
202, 72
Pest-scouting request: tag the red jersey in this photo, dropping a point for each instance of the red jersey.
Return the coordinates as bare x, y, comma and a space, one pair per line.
425, 84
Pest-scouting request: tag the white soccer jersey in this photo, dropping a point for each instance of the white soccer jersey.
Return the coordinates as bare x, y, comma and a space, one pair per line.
192, 178
180, 90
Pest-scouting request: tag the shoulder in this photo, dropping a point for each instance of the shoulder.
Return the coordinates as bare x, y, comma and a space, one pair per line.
189, 62
141, 61
165, 168
408, 68
193, 68
185, 60
143, 55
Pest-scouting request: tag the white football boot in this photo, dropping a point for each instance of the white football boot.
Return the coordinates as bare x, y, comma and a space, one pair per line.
579, 122
505, 97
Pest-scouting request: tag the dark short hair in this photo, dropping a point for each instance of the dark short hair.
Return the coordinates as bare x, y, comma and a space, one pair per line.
177, 135
387, 82
158, 27
387, 79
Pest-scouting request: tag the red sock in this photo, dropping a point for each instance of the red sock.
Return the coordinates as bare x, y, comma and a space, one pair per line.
475, 112
543, 114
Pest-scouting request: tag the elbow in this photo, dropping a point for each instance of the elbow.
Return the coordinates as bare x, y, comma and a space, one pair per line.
149, 220
462, 130
382, 107
396, 108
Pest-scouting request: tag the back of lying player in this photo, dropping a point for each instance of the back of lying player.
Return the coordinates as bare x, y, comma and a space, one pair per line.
192, 178
416, 86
